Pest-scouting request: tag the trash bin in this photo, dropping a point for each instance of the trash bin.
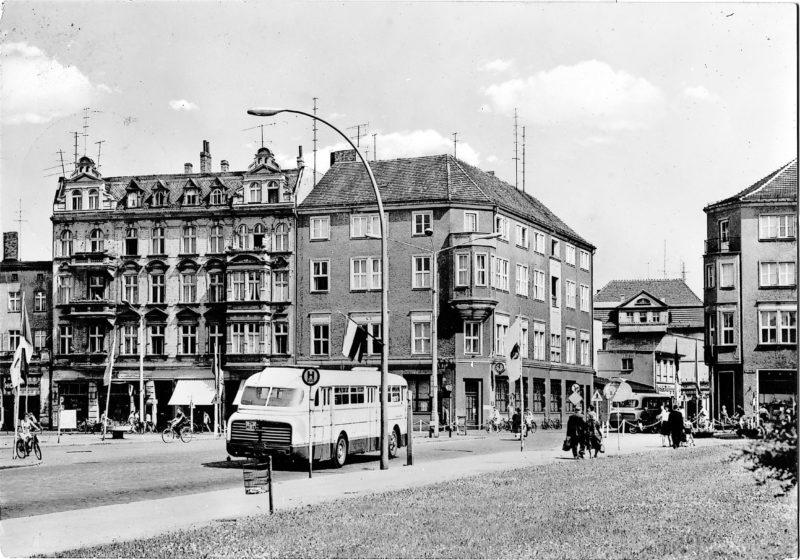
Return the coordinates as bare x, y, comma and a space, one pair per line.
256, 477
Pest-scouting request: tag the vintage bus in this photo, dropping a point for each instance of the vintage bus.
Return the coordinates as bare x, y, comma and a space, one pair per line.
638, 407
345, 412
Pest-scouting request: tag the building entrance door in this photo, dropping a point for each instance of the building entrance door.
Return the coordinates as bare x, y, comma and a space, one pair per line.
472, 397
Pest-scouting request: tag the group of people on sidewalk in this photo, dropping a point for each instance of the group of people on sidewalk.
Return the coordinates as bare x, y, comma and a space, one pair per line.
673, 429
584, 433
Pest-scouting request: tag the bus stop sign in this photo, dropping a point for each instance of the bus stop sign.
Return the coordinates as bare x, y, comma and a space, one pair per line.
310, 376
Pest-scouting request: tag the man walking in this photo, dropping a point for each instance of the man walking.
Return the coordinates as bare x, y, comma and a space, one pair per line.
576, 430
676, 426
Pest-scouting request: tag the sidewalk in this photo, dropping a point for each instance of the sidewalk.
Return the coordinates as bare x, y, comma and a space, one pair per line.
51, 533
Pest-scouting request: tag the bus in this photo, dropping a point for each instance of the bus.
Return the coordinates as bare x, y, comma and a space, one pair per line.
638, 407
345, 412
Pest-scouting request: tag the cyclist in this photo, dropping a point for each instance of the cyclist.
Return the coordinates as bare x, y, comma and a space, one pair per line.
27, 426
179, 421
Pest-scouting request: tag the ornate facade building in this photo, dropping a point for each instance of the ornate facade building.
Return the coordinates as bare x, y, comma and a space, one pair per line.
170, 267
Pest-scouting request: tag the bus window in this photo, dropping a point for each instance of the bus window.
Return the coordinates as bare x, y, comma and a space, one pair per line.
631, 403
255, 396
281, 396
341, 395
653, 403
395, 394
316, 397
356, 395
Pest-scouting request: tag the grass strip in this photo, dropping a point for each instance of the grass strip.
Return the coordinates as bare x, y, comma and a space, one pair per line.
687, 503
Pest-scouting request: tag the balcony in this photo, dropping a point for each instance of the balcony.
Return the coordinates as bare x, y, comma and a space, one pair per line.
472, 304
718, 245
91, 308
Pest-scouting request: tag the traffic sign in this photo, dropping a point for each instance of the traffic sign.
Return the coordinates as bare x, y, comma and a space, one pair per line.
310, 376
575, 387
597, 397
624, 392
575, 399
610, 390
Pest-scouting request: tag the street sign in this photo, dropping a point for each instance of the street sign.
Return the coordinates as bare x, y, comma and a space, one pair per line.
310, 376
575, 398
624, 392
575, 387
597, 397
610, 390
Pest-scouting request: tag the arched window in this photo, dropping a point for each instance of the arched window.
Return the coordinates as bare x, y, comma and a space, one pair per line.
281, 238
217, 239
255, 192
66, 243
159, 198
273, 193
131, 241
258, 237
190, 197
190, 239
94, 200
77, 200
240, 240
96, 238
133, 199
158, 241
216, 196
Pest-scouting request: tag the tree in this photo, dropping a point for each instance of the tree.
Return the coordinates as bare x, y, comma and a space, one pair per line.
774, 457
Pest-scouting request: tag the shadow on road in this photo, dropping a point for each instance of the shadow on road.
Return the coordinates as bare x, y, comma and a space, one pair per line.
280, 463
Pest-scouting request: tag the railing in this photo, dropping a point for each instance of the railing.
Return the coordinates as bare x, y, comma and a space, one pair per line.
719, 245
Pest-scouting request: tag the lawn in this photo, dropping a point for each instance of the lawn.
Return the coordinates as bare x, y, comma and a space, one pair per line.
690, 503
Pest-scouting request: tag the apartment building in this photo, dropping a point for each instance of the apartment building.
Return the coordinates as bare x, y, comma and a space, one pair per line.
750, 294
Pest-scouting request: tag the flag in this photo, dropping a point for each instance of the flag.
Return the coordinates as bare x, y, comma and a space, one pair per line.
19, 365
110, 364
513, 353
355, 341
216, 368
677, 373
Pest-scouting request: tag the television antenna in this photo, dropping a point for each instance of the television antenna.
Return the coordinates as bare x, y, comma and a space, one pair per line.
261, 126
359, 132
455, 144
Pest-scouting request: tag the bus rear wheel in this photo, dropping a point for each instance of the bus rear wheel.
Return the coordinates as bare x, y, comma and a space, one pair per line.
340, 452
393, 444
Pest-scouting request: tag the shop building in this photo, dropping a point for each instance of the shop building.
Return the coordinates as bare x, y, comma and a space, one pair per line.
536, 270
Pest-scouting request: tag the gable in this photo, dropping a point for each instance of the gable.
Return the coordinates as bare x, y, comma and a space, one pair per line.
643, 300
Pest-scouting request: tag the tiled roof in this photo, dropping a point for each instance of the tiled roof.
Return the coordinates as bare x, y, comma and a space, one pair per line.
439, 178
635, 342
781, 184
686, 317
674, 292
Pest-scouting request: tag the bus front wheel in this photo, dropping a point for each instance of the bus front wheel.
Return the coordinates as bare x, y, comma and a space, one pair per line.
340, 452
393, 443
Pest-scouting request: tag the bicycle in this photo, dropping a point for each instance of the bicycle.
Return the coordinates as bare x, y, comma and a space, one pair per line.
24, 448
169, 435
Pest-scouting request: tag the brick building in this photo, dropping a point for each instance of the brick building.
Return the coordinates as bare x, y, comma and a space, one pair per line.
31, 281
750, 294
436, 207
201, 259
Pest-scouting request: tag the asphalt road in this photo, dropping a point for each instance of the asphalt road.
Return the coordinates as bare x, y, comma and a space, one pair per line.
83, 476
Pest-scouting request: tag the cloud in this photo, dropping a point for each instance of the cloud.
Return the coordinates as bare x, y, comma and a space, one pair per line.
35, 88
492, 159
497, 65
587, 94
183, 105
700, 93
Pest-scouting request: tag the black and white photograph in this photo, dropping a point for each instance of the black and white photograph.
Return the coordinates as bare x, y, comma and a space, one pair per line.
374, 279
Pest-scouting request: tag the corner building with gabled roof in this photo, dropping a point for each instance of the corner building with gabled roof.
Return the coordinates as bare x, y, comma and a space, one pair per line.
539, 269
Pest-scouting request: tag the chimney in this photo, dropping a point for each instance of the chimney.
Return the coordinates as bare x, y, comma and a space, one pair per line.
300, 162
10, 246
205, 158
343, 155
223, 165
490, 173
187, 168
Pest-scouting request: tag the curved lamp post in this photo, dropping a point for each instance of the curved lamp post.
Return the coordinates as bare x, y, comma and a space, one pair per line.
263, 112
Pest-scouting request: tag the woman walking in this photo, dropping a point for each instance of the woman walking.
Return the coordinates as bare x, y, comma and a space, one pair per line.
663, 426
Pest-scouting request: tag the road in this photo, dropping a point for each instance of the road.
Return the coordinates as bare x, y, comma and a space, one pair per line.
142, 468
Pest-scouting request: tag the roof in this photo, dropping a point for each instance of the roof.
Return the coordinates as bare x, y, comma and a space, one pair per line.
781, 184
673, 292
427, 179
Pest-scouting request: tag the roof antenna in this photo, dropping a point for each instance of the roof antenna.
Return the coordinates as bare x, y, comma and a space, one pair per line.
375, 147
19, 220
85, 127
358, 135
683, 271
523, 159
314, 130
99, 145
75, 161
455, 144
516, 152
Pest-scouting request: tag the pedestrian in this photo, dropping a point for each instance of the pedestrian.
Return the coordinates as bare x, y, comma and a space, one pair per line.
576, 429
206, 420
446, 421
594, 433
516, 423
663, 426
676, 426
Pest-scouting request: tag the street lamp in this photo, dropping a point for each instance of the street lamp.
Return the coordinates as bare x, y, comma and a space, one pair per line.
141, 359
263, 112
435, 313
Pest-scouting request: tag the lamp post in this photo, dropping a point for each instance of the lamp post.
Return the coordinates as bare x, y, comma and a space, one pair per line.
435, 313
263, 112
141, 359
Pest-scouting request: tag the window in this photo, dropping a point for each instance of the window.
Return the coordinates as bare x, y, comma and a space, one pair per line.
555, 347
130, 288
470, 221
586, 358
190, 197
522, 280
14, 338
501, 395
500, 332
158, 241
131, 241
538, 242
480, 269
655, 317
777, 274
778, 326
65, 339
421, 221
280, 333
133, 199
281, 238
555, 395
159, 198
66, 244
420, 389
726, 275
523, 240
472, 337
642, 315
538, 341
500, 275
584, 259
156, 340
214, 338
241, 238
320, 336
95, 338
319, 276
188, 287
555, 248
709, 276
724, 228
253, 285
421, 334
188, 339
64, 289
252, 339
555, 291
39, 301
569, 253
538, 396
77, 200
39, 339
217, 239
365, 273
362, 225
273, 192
627, 364
502, 226
94, 199
320, 228
97, 287
258, 237
584, 297
216, 287
373, 342
217, 197
238, 344
130, 340
727, 327
462, 269
538, 285
157, 287
570, 285
190, 240
523, 343
96, 240
780, 226
255, 192
571, 343
422, 271
280, 280
712, 328
238, 285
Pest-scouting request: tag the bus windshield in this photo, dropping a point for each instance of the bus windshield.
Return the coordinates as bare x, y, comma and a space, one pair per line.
271, 396
652, 403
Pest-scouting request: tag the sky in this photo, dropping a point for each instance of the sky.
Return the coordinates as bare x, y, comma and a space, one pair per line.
635, 115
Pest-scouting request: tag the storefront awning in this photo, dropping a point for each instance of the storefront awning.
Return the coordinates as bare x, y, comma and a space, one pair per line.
199, 392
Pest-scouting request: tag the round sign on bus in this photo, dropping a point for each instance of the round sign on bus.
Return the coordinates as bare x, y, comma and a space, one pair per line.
310, 376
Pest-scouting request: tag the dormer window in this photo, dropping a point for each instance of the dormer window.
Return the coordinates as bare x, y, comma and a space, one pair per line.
273, 193
77, 200
159, 198
94, 200
642, 301
217, 197
190, 197
255, 192
133, 199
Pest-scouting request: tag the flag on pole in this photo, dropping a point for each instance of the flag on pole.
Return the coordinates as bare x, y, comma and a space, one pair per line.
513, 351
110, 364
355, 341
24, 350
677, 373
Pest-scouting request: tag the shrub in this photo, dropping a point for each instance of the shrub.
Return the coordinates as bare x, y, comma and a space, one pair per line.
774, 457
